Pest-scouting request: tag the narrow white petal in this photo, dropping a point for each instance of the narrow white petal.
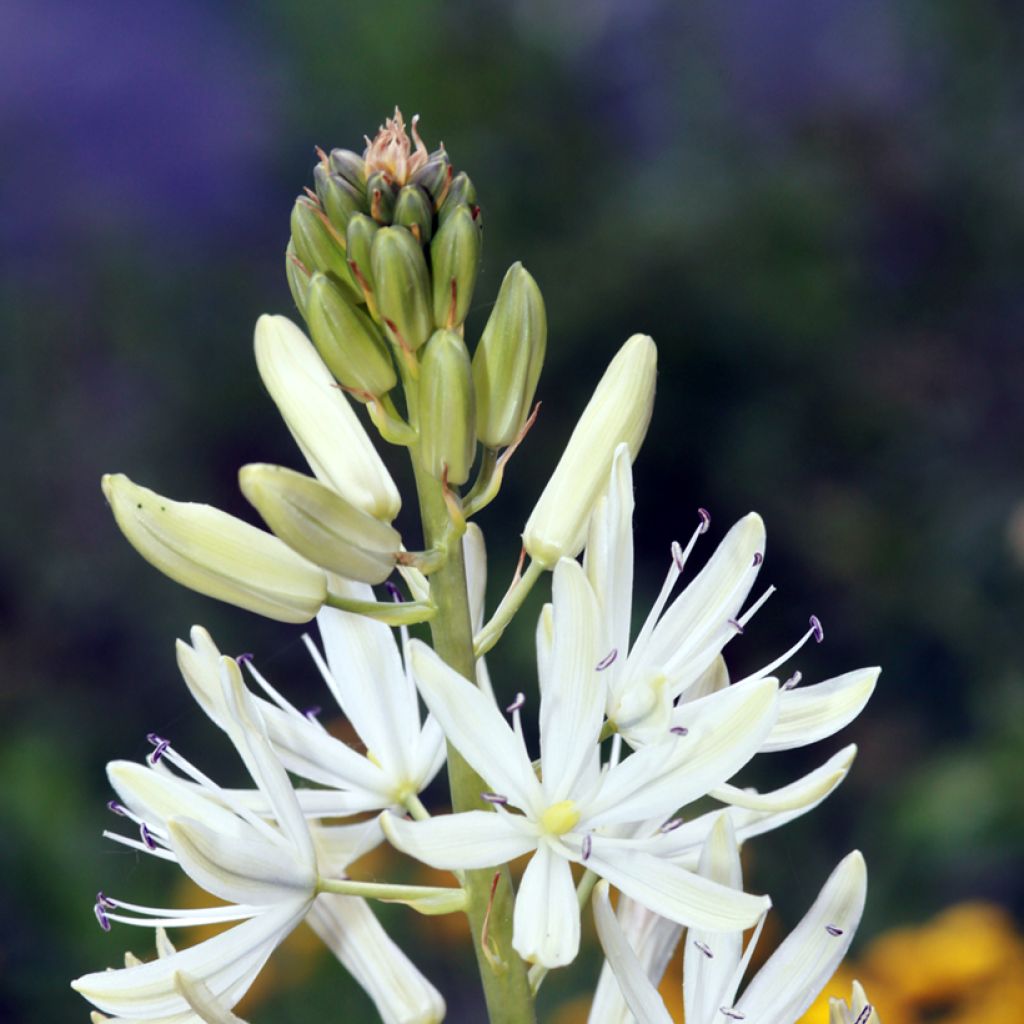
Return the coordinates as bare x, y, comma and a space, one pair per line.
475, 726
475, 553
337, 846
546, 920
199, 665
714, 678
810, 713
572, 702
640, 995
202, 1002
796, 972
350, 930
674, 892
471, 839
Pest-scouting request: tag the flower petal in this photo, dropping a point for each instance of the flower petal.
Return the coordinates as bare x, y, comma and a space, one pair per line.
546, 920
796, 972
810, 713
202, 1003
475, 553
471, 839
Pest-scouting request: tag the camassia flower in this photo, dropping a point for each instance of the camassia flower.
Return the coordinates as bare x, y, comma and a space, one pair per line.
570, 813
714, 963
676, 655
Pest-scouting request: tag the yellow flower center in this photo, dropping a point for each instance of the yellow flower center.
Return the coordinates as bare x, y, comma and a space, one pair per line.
560, 818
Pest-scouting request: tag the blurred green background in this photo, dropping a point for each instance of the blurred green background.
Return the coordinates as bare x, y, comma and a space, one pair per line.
814, 206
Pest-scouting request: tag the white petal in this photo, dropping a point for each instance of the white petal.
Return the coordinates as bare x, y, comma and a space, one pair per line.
321, 420
337, 846
572, 703
725, 730
673, 891
351, 931
199, 665
640, 995
226, 964
471, 839
476, 728
810, 713
202, 1002
710, 959
475, 553
546, 920
796, 972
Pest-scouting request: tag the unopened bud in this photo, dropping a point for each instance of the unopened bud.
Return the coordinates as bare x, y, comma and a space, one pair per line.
461, 192
618, 412
508, 360
414, 211
350, 166
348, 341
317, 244
455, 259
447, 412
319, 524
321, 420
359, 237
435, 176
216, 554
402, 286
339, 198
380, 197
298, 277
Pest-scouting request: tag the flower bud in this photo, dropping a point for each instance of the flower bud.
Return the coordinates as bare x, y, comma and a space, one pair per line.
435, 176
414, 211
319, 524
618, 412
508, 360
380, 195
462, 192
350, 166
455, 259
401, 285
359, 237
216, 554
447, 413
321, 420
316, 243
348, 341
338, 197
298, 277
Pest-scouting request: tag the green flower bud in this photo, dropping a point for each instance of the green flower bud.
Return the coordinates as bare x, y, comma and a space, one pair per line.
435, 176
414, 211
380, 195
360, 234
350, 166
320, 525
401, 286
317, 243
461, 193
348, 341
508, 360
455, 259
447, 408
338, 197
298, 277
618, 412
216, 554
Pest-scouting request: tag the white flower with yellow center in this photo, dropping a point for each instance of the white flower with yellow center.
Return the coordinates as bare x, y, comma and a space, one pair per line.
568, 813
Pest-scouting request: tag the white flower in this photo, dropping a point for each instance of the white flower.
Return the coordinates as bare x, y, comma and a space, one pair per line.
675, 656
714, 963
857, 1011
568, 813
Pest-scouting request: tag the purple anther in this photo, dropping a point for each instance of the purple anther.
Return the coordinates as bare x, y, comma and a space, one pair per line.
587, 846
101, 916
833, 930
608, 659
705, 949
865, 1015
312, 713
244, 658
816, 629
119, 809
494, 798
671, 825
679, 730
793, 680
159, 749
737, 625
151, 737
516, 704
147, 836
396, 594
705, 520
732, 1014
104, 901
758, 558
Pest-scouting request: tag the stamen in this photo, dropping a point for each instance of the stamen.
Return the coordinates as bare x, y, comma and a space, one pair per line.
793, 680
865, 1015
670, 825
607, 660
737, 625
734, 1014
494, 798
833, 930
101, 916
245, 658
679, 730
104, 901
587, 846
392, 589
160, 747
705, 520
147, 836
758, 558
816, 629
118, 808
517, 704
677, 555
756, 606
312, 712
705, 949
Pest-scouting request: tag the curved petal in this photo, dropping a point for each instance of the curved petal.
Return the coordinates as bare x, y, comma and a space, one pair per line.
810, 713
546, 920
202, 1003
337, 846
470, 839
475, 553
796, 972
640, 995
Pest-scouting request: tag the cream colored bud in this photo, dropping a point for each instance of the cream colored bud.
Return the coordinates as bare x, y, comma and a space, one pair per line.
618, 412
321, 420
319, 524
216, 554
